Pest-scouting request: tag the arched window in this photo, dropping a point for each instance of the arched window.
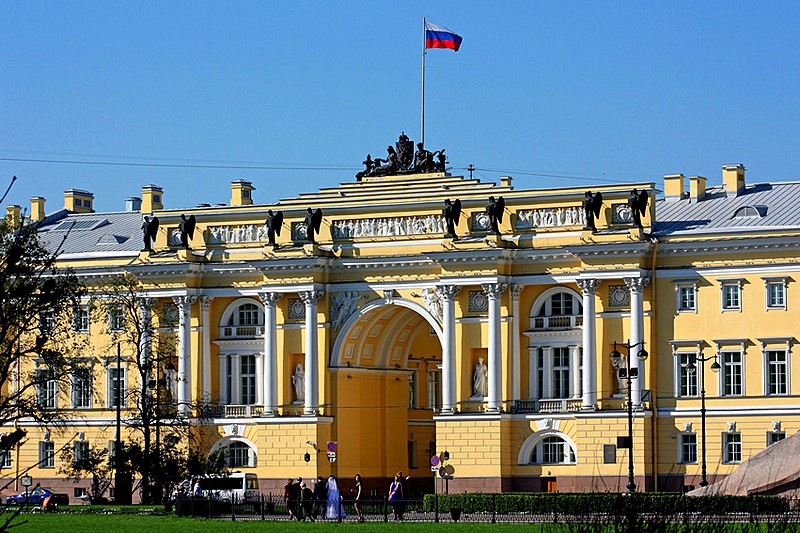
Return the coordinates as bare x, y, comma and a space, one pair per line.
238, 454
552, 450
559, 310
245, 315
561, 304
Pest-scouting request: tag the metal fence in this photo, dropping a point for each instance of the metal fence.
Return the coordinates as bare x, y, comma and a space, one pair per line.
273, 507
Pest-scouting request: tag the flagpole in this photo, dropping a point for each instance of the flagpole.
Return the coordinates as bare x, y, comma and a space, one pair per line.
423, 82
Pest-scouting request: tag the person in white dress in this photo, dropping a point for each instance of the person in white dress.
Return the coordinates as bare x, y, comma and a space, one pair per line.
334, 507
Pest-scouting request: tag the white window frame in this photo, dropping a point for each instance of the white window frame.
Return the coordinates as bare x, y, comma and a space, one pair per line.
116, 318
568, 453
251, 377
434, 389
725, 371
772, 282
734, 286
728, 446
680, 286
47, 454
681, 348
239, 447
776, 344
79, 448
5, 459
50, 392
731, 345
771, 437
683, 446
123, 388
81, 322
73, 390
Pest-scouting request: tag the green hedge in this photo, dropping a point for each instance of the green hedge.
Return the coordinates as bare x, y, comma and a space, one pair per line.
605, 503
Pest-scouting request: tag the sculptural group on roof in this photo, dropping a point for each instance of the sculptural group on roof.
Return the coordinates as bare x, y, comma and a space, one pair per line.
402, 159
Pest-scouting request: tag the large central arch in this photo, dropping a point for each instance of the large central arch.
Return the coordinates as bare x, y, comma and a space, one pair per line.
385, 373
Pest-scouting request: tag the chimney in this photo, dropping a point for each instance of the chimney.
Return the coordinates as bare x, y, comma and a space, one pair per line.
241, 192
733, 179
133, 203
13, 213
505, 181
37, 209
697, 188
78, 201
673, 187
152, 198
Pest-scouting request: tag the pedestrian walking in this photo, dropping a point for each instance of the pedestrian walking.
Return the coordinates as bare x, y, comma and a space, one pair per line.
358, 488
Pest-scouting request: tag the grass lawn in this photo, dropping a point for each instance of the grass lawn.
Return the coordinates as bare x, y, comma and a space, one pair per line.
97, 523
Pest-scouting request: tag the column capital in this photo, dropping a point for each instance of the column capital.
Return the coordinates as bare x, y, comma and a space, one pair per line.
448, 292
185, 300
269, 299
494, 290
516, 290
311, 297
636, 284
205, 302
588, 286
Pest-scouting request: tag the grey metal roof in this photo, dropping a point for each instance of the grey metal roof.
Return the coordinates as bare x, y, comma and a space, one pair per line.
105, 233
760, 206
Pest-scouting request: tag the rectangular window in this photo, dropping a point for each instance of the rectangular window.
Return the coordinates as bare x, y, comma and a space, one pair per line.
80, 451
80, 319
688, 448
540, 373
412, 454
82, 388
47, 454
776, 295
777, 363
552, 451
46, 388
5, 458
731, 296
79, 492
686, 298
434, 390
116, 386
731, 373
560, 372
47, 323
732, 447
688, 380
112, 451
775, 436
248, 379
561, 304
116, 318
412, 390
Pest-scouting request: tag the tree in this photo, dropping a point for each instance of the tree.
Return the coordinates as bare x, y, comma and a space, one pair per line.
162, 447
37, 301
88, 462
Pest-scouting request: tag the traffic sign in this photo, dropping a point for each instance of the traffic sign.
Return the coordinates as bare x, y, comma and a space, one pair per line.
26, 481
332, 457
332, 446
435, 460
434, 468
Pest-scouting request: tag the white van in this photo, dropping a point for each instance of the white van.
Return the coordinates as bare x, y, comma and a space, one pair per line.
236, 486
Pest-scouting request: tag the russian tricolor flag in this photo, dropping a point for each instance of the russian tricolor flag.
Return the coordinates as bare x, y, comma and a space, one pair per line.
440, 37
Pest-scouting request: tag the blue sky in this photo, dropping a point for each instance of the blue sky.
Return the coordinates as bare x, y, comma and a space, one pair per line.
592, 91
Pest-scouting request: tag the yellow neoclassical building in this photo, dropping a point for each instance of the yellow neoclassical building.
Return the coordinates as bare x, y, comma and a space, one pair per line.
394, 337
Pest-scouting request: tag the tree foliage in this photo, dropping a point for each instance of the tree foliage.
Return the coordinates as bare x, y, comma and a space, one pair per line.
37, 302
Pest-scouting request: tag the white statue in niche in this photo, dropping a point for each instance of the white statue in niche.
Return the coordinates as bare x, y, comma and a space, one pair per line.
299, 382
480, 379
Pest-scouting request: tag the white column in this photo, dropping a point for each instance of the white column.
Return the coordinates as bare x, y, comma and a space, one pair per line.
575, 376
205, 385
310, 299
223, 380
270, 300
516, 365
184, 304
547, 372
636, 286
236, 372
448, 295
533, 372
494, 291
588, 288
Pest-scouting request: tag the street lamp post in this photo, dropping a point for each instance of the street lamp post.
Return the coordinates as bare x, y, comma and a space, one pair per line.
691, 368
629, 374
